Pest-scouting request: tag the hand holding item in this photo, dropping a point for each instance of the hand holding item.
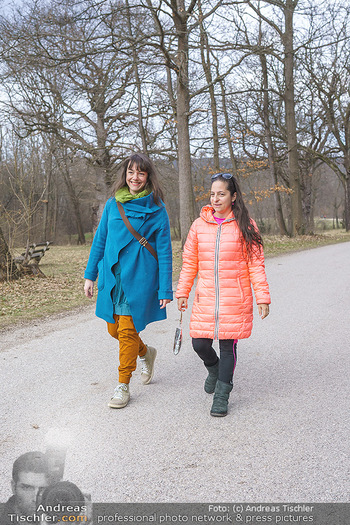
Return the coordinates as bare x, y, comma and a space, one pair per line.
182, 303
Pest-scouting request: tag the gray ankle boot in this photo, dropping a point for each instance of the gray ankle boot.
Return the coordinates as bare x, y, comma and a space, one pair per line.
210, 382
220, 401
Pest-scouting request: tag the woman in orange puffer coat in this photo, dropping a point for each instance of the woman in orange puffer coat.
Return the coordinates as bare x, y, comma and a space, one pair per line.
225, 248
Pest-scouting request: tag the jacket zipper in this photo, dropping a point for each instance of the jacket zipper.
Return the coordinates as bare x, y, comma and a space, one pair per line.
216, 281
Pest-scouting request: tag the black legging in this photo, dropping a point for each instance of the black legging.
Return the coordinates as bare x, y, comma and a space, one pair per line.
228, 356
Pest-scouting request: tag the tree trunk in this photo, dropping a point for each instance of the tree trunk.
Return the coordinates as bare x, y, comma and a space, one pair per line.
297, 225
75, 203
138, 86
205, 56
271, 149
228, 130
100, 198
179, 64
347, 201
187, 214
308, 201
54, 217
46, 196
103, 166
8, 269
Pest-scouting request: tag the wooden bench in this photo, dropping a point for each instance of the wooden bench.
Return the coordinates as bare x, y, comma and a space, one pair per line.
34, 253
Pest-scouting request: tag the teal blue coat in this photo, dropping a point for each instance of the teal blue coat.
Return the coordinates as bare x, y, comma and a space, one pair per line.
144, 280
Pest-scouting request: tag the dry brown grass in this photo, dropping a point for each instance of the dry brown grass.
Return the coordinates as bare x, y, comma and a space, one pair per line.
277, 245
62, 289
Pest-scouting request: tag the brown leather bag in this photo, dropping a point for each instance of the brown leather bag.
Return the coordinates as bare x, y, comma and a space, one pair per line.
142, 240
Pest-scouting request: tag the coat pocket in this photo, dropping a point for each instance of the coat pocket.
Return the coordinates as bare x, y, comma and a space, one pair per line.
101, 279
241, 289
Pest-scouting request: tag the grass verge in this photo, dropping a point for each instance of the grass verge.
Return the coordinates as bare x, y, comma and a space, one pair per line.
275, 245
62, 289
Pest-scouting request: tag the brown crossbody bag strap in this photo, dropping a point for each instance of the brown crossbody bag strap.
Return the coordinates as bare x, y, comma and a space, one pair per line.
144, 242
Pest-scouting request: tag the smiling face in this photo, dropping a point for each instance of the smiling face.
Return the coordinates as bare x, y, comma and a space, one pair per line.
26, 490
135, 179
221, 199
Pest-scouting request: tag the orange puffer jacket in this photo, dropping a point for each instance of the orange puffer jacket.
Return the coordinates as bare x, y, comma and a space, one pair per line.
223, 302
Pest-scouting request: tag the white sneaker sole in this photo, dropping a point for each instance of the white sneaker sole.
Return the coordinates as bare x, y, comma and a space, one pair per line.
112, 405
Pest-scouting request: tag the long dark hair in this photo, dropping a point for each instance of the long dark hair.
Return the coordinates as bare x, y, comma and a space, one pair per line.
251, 235
143, 163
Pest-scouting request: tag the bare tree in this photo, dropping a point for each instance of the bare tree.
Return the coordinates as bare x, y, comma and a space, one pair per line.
271, 153
207, 67
221, 81
64, 78
23, 187
286, 35
329, 70
178, 62
64, 161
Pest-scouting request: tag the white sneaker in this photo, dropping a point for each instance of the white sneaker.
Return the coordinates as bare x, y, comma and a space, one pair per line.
147, 366
120, 397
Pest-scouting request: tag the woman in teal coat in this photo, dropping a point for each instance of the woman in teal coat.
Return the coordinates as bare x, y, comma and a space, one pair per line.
133, 286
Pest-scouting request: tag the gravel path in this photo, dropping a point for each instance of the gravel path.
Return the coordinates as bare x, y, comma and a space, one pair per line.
286, 437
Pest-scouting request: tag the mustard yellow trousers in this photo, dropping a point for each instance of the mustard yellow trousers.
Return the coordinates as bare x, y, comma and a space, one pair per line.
130, 345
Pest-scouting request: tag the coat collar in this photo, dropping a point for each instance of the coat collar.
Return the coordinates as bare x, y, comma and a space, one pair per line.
207, 215
142, 206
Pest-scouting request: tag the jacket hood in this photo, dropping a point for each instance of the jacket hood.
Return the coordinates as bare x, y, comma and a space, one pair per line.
207, 215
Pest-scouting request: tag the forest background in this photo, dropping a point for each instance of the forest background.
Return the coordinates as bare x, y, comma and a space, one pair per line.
258, 88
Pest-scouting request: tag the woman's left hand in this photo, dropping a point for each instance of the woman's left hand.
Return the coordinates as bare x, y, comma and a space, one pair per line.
264, 310
163, 303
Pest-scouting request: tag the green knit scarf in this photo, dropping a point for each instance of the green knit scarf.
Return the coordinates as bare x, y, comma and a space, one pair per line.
124, 195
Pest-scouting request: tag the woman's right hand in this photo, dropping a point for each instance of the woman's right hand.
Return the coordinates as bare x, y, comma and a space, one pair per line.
89, 288
182, 303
